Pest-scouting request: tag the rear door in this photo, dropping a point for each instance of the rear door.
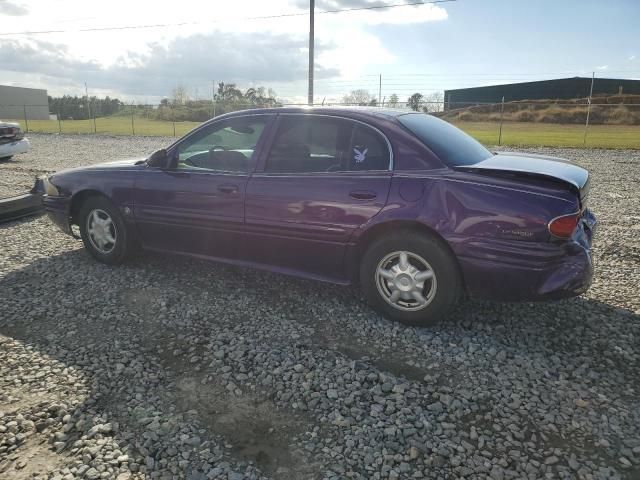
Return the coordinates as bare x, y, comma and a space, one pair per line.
322, 178
198, 205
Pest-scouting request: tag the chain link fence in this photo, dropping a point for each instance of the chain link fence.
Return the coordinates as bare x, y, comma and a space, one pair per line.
573, 123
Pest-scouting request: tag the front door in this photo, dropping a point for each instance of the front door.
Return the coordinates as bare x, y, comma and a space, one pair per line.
197, 206
323, 178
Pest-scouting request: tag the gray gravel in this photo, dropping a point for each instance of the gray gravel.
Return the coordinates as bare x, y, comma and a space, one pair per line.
53, 152
172, 368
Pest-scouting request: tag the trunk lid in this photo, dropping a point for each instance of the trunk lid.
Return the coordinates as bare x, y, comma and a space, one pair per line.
528, 166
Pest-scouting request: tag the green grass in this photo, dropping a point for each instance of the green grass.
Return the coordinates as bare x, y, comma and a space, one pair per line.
554, 135
513, 133
112, 126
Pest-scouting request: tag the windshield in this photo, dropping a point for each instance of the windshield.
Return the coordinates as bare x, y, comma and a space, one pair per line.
449, 143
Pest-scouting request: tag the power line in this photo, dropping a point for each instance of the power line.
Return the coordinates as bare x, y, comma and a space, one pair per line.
263, 17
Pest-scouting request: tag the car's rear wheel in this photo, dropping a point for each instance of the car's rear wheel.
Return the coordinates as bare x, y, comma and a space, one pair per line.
103, 231
410, 277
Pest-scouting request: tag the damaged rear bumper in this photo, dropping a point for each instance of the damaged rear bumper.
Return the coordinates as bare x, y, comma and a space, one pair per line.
521, 271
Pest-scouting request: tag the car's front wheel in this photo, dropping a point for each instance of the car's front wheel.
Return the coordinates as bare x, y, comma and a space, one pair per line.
410, 277
103, 231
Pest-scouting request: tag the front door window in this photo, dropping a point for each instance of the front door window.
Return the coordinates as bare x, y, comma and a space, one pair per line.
226, 146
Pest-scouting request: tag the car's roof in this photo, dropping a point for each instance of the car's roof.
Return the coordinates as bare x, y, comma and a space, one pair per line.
329, 110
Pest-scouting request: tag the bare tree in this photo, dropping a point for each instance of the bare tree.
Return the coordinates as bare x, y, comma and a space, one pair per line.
393, 101
433, 103
358, 97
180, 95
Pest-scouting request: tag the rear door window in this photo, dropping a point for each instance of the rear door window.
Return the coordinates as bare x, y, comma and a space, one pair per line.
368, 150
308, 143
313, 143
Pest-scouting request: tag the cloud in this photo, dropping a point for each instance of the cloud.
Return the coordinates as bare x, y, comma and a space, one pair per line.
193, 60
602, 67
632, 57
7, 7
377, 16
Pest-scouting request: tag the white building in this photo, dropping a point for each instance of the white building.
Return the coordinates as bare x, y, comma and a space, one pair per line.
15, 102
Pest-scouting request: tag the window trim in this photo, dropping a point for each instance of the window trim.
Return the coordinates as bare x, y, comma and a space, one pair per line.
253, 161
262, 170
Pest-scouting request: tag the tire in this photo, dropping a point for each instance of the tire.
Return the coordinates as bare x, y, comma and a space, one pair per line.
438, 284
110, 225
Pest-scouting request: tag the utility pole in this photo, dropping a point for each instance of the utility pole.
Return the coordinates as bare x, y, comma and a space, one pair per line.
86, 93
312, 6
586, 125
380, 91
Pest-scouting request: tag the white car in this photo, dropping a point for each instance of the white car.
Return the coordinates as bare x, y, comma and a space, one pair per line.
12, 140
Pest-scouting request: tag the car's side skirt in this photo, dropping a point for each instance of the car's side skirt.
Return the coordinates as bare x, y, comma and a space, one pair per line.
259, 266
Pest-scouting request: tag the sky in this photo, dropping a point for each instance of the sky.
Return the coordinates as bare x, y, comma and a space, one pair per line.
424, 48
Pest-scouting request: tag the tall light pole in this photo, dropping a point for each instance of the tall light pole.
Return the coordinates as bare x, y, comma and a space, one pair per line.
312, 5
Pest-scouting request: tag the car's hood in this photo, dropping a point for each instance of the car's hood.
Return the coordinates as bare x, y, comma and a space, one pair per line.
120, 164
533, 165
117, 164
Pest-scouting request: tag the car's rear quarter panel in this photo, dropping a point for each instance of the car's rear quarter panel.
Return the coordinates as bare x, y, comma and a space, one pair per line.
497, 231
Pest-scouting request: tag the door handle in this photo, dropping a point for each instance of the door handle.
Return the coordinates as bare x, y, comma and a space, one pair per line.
362, 194
228, 188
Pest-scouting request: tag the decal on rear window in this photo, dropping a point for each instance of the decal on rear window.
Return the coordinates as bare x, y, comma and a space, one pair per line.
360, 156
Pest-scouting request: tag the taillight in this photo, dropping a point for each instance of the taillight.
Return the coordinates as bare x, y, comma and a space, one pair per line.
564, 226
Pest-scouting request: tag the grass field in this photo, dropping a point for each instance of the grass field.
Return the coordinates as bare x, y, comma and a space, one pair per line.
513, 133
554, 135
116, 125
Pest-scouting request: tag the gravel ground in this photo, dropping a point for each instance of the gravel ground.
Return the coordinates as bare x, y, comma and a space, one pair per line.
171, 368
50, 153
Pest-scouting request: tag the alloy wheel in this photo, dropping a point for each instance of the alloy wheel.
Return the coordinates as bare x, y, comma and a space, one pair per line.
406, 281
101, 231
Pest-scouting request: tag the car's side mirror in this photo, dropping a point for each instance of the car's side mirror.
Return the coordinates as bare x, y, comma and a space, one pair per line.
160, 159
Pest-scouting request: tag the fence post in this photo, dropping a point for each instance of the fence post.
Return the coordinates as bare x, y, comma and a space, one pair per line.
586, 124
133, 130
60, 121
173, 120
501, 116
26, 122
95, 130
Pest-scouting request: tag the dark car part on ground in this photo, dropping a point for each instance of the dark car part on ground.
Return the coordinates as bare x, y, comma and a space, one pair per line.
23, 205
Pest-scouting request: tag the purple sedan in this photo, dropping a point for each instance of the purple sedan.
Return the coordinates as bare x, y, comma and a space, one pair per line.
408, 206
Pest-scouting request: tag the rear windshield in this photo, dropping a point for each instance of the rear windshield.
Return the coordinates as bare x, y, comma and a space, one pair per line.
450, 144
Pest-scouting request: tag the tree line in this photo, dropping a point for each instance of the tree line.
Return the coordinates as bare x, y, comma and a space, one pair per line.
227, 97
416, 102
181, 106
79, 108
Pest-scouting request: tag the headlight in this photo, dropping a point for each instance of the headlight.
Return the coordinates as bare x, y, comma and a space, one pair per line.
49, 188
